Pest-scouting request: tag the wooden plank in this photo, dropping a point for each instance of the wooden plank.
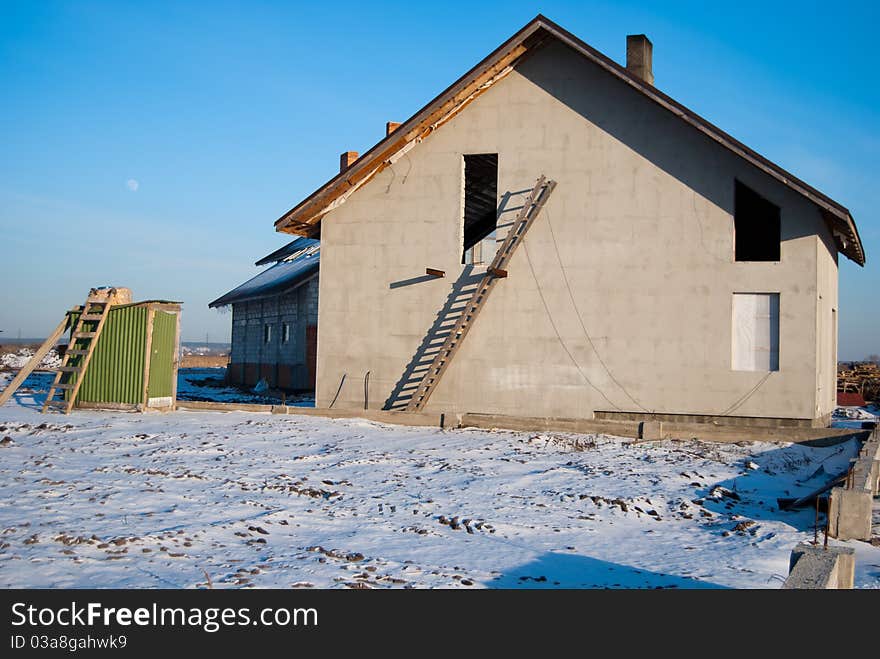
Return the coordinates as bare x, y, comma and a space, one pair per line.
84, 364
223, 407
148, 347
28, 368
809, 499
498, 273
50, 397
435, 273
93, 405
176, 363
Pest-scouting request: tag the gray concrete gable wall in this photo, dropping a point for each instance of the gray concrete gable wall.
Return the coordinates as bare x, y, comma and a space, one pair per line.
639, 230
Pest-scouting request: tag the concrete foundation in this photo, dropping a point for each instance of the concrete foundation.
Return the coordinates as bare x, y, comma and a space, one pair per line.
850, 507
749, 421
823, 568
666, 430
651, 430
824, 437
381, 416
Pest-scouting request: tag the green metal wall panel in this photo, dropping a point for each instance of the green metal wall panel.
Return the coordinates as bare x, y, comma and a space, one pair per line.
116, 371
162, 355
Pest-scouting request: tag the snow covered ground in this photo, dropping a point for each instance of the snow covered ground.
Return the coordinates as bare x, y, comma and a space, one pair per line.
99, 499
19, 359
853, 417
207, 384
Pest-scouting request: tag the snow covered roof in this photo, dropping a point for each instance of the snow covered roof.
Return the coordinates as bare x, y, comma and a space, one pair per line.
290, 249
299, 265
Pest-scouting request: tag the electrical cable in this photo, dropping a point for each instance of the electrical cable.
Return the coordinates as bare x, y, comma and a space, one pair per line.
739, 402
581, 321
558, 335
341, 382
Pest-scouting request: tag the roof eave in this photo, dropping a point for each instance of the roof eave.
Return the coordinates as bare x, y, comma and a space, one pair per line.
304, 218
222, 301
846, 234
312, 208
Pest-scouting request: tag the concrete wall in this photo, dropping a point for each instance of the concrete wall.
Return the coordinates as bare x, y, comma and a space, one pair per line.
851, 507
281, 364
640, 228
826, 322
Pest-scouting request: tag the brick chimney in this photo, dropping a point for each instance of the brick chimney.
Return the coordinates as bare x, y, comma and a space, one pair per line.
390, 127
640, 56
346, 160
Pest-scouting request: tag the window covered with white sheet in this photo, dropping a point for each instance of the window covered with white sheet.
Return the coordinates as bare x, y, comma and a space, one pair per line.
756, 331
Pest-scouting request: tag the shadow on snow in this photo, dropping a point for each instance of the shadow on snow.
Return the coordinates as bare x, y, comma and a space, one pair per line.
787, 472
558, 570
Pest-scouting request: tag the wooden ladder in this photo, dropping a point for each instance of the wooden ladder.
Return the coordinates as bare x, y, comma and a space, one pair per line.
79, 353
28, 368
497, 270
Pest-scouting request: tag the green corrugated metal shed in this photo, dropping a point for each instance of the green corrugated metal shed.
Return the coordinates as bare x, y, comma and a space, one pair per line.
135, 362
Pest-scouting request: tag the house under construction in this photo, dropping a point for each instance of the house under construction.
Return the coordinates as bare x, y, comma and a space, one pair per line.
275, 319
553, 236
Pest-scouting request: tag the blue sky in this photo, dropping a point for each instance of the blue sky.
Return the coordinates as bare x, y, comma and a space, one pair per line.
153, 144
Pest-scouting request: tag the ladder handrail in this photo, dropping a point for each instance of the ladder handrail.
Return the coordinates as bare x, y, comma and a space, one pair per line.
28, 368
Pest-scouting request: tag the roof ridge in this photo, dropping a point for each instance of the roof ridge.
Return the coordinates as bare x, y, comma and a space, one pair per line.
305, 217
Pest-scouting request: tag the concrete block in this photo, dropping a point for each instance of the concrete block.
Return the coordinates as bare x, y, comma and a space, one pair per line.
875, 477
651, 430
864, 475
849, 514
818, 567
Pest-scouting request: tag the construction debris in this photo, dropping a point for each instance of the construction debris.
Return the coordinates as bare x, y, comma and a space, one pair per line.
861, 378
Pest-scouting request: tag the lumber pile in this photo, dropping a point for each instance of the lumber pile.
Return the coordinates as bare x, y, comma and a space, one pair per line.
862, 378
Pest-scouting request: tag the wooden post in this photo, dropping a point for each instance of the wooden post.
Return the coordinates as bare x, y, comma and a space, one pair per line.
28, 368
151, 313
176, 362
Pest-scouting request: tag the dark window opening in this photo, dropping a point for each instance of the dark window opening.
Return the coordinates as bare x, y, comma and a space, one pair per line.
756, 226
480, 204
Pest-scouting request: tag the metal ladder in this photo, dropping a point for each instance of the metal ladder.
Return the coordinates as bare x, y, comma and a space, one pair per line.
76, 358
497, 270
